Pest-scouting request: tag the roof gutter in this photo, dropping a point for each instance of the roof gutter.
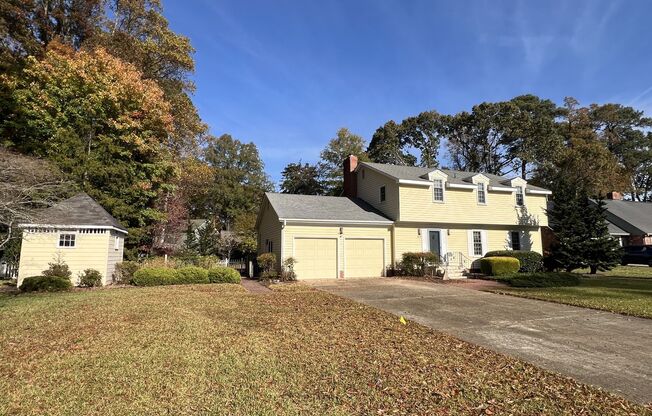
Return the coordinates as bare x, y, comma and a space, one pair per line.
413, 182
538, 191
83, 227
349, 222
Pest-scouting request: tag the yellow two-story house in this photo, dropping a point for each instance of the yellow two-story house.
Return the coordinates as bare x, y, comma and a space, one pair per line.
389, 210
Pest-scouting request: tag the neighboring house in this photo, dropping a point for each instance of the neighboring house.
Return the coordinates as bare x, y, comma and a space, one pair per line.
389, 210
79, 232
629, 221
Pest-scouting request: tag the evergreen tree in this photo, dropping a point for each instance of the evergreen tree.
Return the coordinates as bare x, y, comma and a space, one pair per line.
301, 179
582, 236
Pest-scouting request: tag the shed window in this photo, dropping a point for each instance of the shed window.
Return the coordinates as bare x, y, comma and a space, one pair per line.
520, 200
515, 240
382, 194
116, 244
438, 190
482, 195
477, 243
66, 240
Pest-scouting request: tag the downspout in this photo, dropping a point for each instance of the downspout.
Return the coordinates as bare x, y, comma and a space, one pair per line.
283, 242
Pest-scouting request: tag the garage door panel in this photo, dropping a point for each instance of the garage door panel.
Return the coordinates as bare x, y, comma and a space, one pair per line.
316, 258
364, 257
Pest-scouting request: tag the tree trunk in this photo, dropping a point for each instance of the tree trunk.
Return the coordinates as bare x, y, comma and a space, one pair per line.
594, 269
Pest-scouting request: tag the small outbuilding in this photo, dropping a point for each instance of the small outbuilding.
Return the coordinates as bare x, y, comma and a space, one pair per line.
77, 231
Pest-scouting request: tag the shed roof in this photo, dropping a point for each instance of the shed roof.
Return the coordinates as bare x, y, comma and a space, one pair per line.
323, 208
415, 173
81, 209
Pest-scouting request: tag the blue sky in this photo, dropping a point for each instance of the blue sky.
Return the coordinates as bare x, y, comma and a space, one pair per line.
287, 74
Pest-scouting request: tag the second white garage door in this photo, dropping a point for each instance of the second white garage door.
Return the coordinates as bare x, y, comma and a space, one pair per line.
364, 257
316, 258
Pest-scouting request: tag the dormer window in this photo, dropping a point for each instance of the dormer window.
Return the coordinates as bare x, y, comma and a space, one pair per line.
520, 200
438, 190
482, 194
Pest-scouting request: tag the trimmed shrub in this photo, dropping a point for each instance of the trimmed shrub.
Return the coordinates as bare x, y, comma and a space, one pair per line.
223, 275
419, 264
46, 284
542, 279
57, 269
90, 278
499, 266
154, 276
124, 272
531, 261
191, 275
287, 272
267, 264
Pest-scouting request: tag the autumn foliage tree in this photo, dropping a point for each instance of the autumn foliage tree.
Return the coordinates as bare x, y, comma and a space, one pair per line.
99, 122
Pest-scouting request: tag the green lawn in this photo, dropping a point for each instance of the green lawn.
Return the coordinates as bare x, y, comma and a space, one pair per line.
216, 350
625, 289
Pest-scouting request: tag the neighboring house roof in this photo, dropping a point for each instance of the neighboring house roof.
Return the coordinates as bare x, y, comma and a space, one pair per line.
324, 208
419, 174
80, 210
633, 217
615, 230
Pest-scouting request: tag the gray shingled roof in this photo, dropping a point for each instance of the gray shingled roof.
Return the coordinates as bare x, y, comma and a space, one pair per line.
615, 230
635, 217
312, 207
81, 209
454, 176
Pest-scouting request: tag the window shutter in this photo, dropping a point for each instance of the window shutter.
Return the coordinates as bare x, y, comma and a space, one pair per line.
469, 238
483, 235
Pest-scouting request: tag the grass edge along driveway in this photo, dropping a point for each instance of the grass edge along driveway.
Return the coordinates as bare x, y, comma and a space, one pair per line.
214, 349
618, 291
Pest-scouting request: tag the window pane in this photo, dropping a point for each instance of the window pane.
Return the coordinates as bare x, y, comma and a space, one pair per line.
382, 193
438, 190
516, 240
519, 195
477, 243
481, 194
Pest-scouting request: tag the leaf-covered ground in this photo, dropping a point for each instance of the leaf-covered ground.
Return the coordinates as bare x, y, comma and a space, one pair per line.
215, 349
624, 295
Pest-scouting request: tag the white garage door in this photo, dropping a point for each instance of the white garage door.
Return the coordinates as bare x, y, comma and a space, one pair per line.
363, 257
316, 258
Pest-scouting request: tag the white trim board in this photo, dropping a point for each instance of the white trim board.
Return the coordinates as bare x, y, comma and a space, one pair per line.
66, 227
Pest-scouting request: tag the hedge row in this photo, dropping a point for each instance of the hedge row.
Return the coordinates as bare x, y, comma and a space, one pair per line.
499, 266
531, 261
542, 279
157, 276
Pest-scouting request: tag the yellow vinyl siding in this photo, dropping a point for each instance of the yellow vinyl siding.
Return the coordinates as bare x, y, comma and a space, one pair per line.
114, 256
269, 228
293, 232
461, 206
369, 191
41, 248
408, 239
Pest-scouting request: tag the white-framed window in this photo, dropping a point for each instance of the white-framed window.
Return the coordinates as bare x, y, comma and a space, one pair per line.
66, 240
515, 240
520, 196
482, 193
116, 243
478, 248
438, 190
383, 194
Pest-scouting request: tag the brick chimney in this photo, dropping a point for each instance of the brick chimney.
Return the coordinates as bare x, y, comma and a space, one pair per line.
350, 179
615, 195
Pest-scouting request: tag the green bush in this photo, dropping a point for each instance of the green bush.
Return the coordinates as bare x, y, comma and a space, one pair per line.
499, 266
191, 275
419, 264
223, 275
154, 276
531, 261
46, 284
287, 272
90, 278
267, 265
124, 272
58, 269
542, 279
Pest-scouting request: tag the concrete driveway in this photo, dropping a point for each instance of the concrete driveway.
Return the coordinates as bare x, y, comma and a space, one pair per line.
599, 348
